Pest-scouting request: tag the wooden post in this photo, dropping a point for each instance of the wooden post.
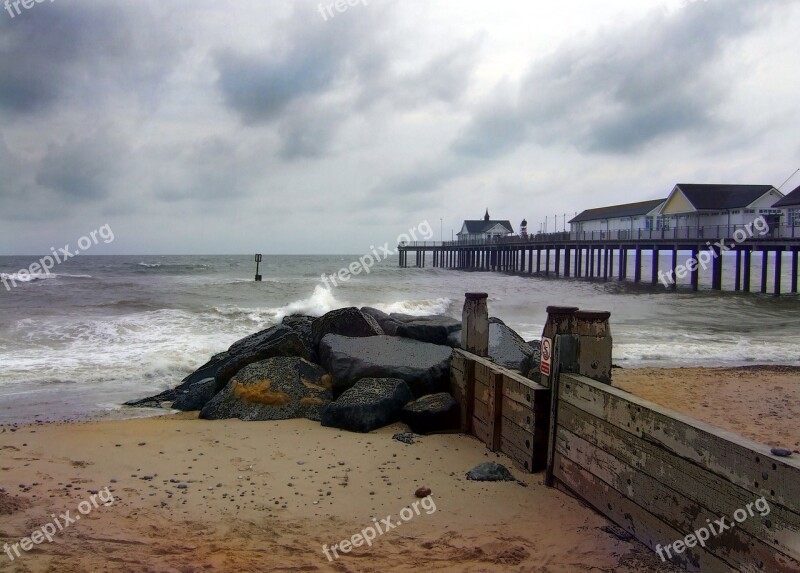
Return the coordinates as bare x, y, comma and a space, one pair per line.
778, 261
746, 271
547, 262
737, 283
695, 270
594, 344
794, 271
716, 269
654, 278
637, 271
495, 407
567, 254
475, 324
674, 266
558, 261
560, 320
764, 265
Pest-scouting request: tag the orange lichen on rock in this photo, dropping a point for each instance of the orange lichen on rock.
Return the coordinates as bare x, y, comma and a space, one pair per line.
311, 386
312, 401
258, 393
326, 380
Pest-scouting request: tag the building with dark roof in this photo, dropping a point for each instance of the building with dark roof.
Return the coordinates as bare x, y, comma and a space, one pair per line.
791, 208
484, 229
627, 217
694, 205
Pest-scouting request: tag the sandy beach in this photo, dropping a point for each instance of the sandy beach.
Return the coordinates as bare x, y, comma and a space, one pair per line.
194, 495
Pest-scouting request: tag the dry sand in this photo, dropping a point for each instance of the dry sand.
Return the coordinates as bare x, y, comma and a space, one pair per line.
210, 496
758, 402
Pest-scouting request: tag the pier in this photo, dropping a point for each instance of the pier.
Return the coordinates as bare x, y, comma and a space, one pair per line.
619, 255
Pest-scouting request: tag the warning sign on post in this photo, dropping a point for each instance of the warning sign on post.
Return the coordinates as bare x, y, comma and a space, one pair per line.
547, 356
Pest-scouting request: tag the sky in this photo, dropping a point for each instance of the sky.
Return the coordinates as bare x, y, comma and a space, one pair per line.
290, 127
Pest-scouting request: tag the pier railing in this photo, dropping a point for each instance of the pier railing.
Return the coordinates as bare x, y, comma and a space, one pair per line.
703, 233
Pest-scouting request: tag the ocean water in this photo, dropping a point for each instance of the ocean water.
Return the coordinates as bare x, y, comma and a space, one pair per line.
102, 330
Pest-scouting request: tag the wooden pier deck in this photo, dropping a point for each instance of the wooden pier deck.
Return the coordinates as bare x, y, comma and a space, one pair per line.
605, 256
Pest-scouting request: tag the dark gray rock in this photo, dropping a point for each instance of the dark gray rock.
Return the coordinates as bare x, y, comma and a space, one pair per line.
278, 388
301, 324
430, 329
378, 315
425, 367
495, 320
405, 437
781, 452
370, 404
206, 371
490, 471
400, 317
536, 357
390, 327
508, 349
346, 322
278, 340
454, 339
196, 396
432, 413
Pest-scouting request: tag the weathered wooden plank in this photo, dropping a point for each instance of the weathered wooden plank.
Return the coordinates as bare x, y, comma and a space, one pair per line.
497, 368
638, 522
481, 392
538, 399
520, 458
483, 373
732, 457
495, 412
719, 496
521, 415
735, 546
481, 412
522, 439
479, 430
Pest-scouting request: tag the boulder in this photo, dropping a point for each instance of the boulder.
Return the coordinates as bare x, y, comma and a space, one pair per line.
425, 367
432, 413
490, 471
277, 340
301, 324
370, 404
454, 339
536, 357
278, 388
346, 322
196, 396
378, 315
390, 327
434, 329
508, 349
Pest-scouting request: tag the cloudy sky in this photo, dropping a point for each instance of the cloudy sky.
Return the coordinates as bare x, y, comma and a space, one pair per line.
198, 126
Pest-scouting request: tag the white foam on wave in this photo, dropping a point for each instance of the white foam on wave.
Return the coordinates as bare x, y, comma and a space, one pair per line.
320, 302
423, 307
149, 265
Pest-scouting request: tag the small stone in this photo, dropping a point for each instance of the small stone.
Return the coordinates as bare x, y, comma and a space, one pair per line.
422, 492
782, 452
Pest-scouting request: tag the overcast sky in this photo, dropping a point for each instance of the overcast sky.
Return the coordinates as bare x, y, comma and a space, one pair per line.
269, 125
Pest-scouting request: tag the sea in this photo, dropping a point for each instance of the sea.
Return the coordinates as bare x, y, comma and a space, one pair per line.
100, 330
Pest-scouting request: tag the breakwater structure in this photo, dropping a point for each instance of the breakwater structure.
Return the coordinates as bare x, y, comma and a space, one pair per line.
619, 254
684, 488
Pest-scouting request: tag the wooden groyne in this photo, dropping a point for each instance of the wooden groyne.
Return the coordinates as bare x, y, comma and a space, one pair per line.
619, 255
699, 496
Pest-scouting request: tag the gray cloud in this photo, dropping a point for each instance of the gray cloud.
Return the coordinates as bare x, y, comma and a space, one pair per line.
622, 89
82, 51
79, 170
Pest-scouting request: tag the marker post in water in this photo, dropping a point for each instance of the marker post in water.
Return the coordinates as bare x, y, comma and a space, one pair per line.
258, 260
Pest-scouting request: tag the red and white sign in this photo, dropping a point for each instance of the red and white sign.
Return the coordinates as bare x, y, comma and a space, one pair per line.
547, 356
